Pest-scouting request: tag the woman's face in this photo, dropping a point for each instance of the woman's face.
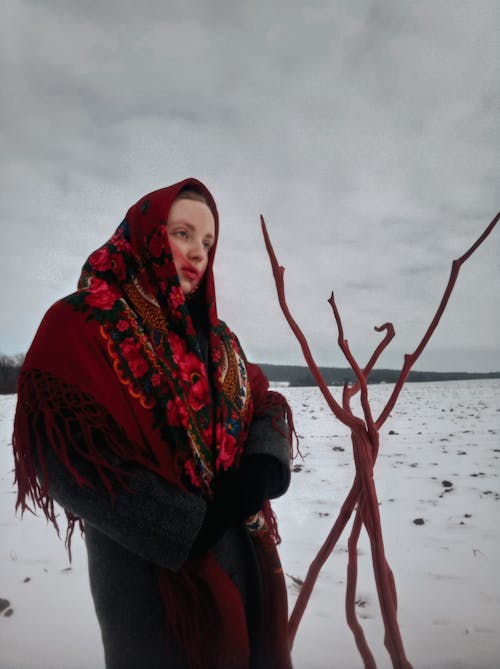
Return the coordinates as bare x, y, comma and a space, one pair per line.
191, 234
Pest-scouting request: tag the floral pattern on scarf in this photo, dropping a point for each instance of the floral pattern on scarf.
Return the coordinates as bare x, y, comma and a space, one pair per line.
131, 288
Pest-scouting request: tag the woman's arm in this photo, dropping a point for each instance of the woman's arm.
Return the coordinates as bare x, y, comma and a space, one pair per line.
155, 520
268, 443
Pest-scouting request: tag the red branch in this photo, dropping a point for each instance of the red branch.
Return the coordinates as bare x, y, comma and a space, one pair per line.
365, 441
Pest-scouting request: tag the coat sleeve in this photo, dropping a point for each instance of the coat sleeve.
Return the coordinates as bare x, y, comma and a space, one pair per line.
155, 519
269, 436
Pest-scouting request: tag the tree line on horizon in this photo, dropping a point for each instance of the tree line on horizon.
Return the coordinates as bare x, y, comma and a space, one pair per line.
299, 376
292, 375
10, 366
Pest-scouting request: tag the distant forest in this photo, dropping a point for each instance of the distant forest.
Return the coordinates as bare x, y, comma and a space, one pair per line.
292, 375
10, 366
296, 375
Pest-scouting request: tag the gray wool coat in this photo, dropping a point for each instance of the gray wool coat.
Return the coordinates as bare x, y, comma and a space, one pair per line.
129, 537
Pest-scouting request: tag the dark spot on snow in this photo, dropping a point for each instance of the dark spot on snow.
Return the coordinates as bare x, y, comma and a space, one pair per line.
8, 613
414, 464
66, 569
338, 448
418, 521
4, 604
297, 468
361, 603
467, 515
392, 432
27, 579
446, 484
461, 452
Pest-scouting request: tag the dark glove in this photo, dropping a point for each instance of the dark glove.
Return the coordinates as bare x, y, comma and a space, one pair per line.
238, 494
259, 477
222, 513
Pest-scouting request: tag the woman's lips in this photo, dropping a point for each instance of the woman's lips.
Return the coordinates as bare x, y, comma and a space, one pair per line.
191, 272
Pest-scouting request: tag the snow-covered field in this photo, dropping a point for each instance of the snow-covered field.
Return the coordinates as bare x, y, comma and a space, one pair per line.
446, 569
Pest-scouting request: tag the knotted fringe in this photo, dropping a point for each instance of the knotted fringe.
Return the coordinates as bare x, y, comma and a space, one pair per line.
271, 522
53, 414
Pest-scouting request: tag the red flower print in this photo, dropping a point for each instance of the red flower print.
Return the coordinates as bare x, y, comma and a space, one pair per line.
191, 367
156, 379
122, 325
100, 260
101, 295
207, 434
192, 374
103, 261
156, 244
119, 241
118, 266
227, 448
177, 413
178, 347
198, 394
134, 355
176, 296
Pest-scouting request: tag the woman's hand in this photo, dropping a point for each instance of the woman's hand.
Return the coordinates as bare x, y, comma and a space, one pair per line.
238, 494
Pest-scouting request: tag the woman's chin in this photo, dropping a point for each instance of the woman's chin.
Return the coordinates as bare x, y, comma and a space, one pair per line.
189, 288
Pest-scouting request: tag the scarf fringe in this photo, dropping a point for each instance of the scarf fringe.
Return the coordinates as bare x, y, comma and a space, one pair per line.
52, 414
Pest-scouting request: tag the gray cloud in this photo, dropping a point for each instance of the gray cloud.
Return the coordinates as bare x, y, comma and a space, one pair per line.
365, 132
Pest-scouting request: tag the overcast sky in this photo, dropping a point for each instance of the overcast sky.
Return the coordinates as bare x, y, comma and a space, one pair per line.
366, 132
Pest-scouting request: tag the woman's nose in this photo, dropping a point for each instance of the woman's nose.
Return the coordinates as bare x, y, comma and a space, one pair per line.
196, 251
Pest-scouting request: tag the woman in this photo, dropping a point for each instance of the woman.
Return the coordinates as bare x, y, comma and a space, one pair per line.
138, 413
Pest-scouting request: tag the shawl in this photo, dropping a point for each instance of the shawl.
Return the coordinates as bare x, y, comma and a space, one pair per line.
119, 359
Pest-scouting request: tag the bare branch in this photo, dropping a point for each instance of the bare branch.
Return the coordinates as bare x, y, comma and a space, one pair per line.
410, 359
278, 271
365, 441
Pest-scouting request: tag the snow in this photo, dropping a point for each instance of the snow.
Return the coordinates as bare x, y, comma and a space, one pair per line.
446, 569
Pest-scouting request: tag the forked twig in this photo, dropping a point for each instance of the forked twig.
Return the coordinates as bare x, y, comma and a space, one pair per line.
365, 440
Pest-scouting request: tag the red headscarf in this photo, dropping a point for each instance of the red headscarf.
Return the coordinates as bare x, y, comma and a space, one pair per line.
123, 347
